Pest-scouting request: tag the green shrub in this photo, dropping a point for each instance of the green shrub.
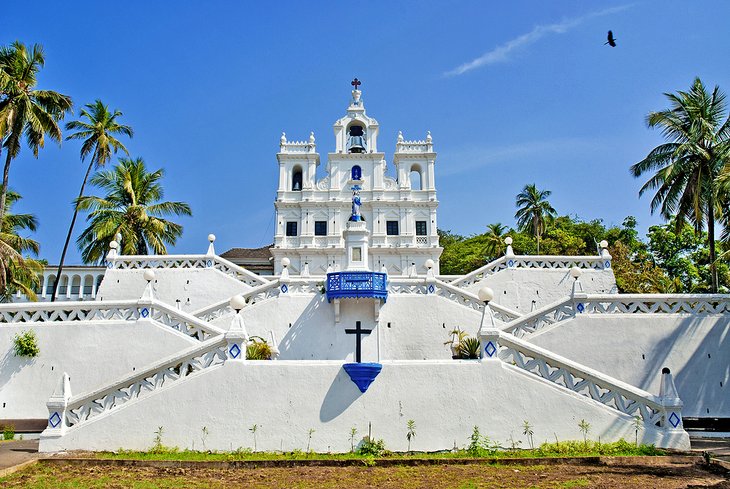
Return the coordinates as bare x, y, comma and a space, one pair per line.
258, 349
25, 344
481, 446
470, 348
8, 432
375, 448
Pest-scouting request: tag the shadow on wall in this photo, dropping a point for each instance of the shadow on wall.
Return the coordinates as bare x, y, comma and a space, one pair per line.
341, 394
10, 365
703, 378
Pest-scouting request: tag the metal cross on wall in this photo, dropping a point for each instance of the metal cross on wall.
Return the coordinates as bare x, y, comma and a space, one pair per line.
356, 83
358, 340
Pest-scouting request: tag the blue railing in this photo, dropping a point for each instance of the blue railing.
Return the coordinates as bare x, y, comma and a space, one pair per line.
353, 285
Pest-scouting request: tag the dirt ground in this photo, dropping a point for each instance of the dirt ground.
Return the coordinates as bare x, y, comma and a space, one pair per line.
666, 476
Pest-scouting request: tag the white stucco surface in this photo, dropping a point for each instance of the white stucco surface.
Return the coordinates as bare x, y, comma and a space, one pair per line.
287, 399
527, 289
635, 347
93, 354
193, 287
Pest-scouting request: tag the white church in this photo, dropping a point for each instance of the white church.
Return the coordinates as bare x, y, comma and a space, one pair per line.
360, 324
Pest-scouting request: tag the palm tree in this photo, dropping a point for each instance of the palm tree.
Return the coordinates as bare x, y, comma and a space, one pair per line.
24, 110
686, 168
495, 239
534, 211
18, 272
98, 132
132, 208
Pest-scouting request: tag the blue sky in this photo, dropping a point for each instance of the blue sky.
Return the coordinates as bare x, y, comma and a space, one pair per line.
513, 93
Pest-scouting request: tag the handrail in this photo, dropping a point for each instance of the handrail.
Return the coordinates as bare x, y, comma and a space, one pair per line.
532, 261
131, 262
569, 307
580, 379
206, 355
119, 310
448, 291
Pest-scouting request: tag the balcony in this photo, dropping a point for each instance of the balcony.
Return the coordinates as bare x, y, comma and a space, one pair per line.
355, 285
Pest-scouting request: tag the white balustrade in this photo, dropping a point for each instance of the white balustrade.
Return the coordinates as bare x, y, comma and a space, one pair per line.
102, 311
582, 380
132, 262
532, 261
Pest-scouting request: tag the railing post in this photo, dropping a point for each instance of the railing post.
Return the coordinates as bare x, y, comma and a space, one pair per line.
237, 336
284, 277
509, 254
211, 247
148, 296
672, 404
488, 332
57, 406
605, 255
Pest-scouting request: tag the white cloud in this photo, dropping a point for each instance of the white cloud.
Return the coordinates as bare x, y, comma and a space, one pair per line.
501, 53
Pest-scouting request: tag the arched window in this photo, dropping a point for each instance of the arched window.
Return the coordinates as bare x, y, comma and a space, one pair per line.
296, 179
356, 173
50, 283
416, 178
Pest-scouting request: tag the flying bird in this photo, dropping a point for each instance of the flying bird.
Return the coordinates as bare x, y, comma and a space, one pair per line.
611, 40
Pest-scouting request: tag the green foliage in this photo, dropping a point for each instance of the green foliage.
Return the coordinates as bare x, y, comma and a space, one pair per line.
411, 432
253, 429
574, 448
470, 348
374, 448
18, 272
8, 432
528, 431
480, 446
25, 344
585, 428
258, 349
353, 434
534, 212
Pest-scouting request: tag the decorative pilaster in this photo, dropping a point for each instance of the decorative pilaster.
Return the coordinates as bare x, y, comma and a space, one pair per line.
57, 406
509, 254
605, 255
211, 247
237, 337
672, 419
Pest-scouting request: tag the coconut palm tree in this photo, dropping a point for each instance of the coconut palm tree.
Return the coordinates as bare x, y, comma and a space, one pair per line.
24, 110
495, 239
131, 207
18, 272
686, 168
98, 132
534, 211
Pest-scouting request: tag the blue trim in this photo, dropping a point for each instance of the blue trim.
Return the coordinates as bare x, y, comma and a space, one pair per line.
54, 420
674, 419
580, 307
284, 289
354, 285
234, 351
362, 374
144, 312
490, 349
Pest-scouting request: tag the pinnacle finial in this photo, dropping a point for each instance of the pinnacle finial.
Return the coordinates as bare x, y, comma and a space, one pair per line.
356, 83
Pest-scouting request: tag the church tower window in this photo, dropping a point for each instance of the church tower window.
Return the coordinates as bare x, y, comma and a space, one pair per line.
320, 228
421, 228
416, 178
296, 179
391, 228
291, 228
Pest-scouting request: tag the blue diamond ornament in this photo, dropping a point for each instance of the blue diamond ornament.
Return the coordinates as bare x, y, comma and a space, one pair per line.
54, 420
674, 420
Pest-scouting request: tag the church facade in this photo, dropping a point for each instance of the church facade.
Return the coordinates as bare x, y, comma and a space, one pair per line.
400, 213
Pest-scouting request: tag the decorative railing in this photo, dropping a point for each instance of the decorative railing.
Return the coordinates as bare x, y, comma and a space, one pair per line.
532, 261
132, 262
570, 307
449, 292
96, 311
209, 354
580, 379
352, 285
263, 292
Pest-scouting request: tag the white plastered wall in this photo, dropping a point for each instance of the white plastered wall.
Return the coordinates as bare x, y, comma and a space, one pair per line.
93, 354
286, 399
635, 347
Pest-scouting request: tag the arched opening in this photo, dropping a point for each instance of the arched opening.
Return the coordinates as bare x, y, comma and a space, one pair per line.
356, 139
63, 286
356, 173
75, 285
416, 178
88, 285
296, 178
49, 285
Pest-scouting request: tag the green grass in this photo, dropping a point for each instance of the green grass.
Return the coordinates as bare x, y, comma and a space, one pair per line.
561, 449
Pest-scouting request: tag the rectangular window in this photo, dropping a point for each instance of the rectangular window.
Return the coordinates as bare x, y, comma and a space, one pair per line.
291, 228
391, 228
421, 228
357, 254
320, 228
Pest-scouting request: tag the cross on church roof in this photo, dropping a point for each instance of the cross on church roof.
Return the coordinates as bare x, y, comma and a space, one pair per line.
356, 83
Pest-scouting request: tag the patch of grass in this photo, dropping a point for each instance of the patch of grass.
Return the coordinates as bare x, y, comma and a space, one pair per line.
575, 483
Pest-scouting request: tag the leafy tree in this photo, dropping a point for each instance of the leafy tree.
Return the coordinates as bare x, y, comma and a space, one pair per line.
131, 207
686, 168
495, 239
98, 132
18, 272
534, 211
24, 110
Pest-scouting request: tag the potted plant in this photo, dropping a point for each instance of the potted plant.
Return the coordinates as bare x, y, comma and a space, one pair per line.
258, 349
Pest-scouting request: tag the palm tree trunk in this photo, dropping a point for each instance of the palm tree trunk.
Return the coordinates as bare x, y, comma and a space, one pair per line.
4, 190
70, 232
711, 238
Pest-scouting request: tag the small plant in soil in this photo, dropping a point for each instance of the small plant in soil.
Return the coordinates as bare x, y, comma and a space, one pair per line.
527, 431
585, 428
411, 433
353, 434
253, 430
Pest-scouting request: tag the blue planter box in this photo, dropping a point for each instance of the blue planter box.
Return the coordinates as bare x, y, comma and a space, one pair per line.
354, 285
362, 374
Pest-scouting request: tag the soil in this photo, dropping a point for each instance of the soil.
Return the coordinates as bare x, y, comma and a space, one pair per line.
628, 475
